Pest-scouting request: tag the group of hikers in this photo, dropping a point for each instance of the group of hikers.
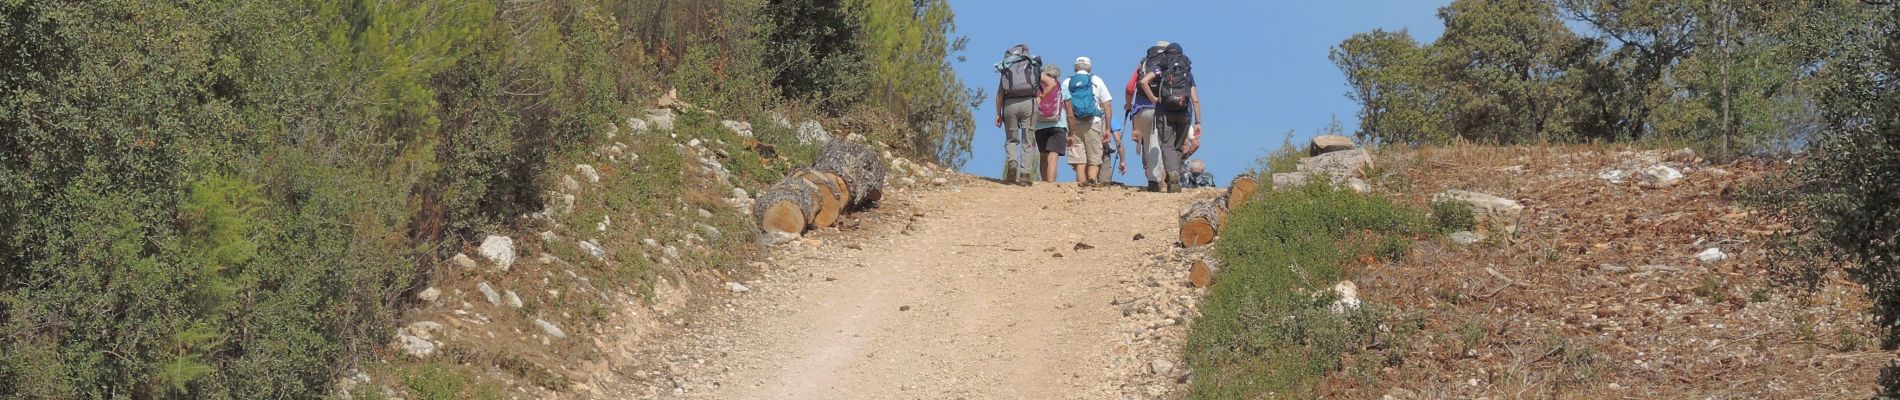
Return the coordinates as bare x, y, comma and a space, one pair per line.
1046, 116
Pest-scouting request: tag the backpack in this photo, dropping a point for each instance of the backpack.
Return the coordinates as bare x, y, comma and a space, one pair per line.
1021, 72
1051, 105
1082, 100
1175, 81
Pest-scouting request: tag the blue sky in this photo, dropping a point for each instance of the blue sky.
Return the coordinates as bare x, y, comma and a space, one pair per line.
1261, 65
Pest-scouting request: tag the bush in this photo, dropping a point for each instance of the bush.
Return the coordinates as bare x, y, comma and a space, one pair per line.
1267, 328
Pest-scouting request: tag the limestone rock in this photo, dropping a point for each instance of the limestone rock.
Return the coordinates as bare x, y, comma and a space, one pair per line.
1713, 254
1658, 176
1497, 215
1339, 164
499, 250
779, 118
1466, 237
737, 287
550, 328
593, 249
429, 294
660, 118
463, 261
743, 129
422, 329
415, 346
812, 132
1285, 180
636, 126
1348, 296
509, 297
1323, 144
488, 292
588, 172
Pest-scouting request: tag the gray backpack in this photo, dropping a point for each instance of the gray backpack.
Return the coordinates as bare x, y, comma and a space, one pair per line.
1021, 73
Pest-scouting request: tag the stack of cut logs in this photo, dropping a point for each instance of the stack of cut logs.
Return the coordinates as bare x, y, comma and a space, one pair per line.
847, 177
1203, 219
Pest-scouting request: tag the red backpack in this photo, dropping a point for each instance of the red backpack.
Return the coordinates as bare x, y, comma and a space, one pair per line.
1051, 104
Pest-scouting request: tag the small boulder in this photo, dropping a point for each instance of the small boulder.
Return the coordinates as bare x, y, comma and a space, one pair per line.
1658, 176
1285, 180
594, 250
812, 132
779, 118
1497, 215
415, 346
1684, 155
423, 329
636, 126
737, 287
488, 292
660, 118
550, 328
1711, 255
588, 172
463, 261
1348, 296
1339, 164
1615, 176
1323, 144
743, 129
1161, 367
509, 297
499, 250
429, 294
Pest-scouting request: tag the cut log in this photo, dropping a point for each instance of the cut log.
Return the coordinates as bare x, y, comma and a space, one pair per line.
860, 166
787, 207
1199, 275
832, 196
1242, 189
1201, 223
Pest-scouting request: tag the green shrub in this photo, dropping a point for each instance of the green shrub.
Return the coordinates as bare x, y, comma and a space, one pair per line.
1267, 327
1448, 217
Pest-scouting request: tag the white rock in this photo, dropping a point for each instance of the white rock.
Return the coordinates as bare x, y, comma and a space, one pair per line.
462, 260
704, 214
940, 181
1466, 237
1323, 144
777, 238
605, 221
1711, 255
649, 242
636, 126
1615, 176
423, 329
429, 294
1348, 296
550, 328
594, 250
812, 132
549, 237
660, 118
1338, 165
737, 287
415, 346
739, 193
489, 293
1659, 176
1161, 367
907, 181
692, 143
499, 250
588, 172
1498, 214
743, 129
779, 118
672, 253
566, 203
568, 182
613, 131
512, 299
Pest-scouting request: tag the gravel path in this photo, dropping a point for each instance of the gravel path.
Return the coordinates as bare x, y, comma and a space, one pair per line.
973, 290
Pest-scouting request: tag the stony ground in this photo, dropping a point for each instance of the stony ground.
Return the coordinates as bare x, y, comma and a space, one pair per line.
970, 290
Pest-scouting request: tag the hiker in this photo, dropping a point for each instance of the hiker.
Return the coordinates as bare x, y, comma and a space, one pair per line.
1016, 109
1089, 101
1140, 113
1197, 176
1112, 149
1171, 87
1052, 122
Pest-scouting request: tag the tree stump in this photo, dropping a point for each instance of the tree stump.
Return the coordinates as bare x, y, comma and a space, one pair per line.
832, 196
860, 166
1199, 275
1242, 189
787, 207
1201, 222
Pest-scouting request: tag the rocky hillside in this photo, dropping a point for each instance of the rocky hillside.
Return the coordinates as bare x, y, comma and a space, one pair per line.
649, 226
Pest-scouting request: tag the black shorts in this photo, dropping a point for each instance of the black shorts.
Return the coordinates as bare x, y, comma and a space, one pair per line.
1053, 140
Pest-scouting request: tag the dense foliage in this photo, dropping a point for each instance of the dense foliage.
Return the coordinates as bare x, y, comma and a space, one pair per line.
1727, 75
232, 199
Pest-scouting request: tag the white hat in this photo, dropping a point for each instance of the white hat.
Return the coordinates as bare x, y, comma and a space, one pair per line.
1163, 43
1083, 63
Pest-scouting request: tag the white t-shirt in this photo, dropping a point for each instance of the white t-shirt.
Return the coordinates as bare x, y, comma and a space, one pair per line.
1101, 91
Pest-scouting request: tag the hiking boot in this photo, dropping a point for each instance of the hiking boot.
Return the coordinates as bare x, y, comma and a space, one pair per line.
1010, 177
1153, 187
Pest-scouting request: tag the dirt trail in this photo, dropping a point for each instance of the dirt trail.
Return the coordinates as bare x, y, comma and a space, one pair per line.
985, 296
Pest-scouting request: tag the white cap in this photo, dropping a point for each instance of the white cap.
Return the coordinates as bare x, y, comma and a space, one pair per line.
1083, 63
1163, 43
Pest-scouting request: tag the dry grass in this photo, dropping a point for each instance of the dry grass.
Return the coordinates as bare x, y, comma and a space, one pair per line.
1601, 297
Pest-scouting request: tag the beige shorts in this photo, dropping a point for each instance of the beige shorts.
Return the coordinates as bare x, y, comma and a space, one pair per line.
1085, 142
